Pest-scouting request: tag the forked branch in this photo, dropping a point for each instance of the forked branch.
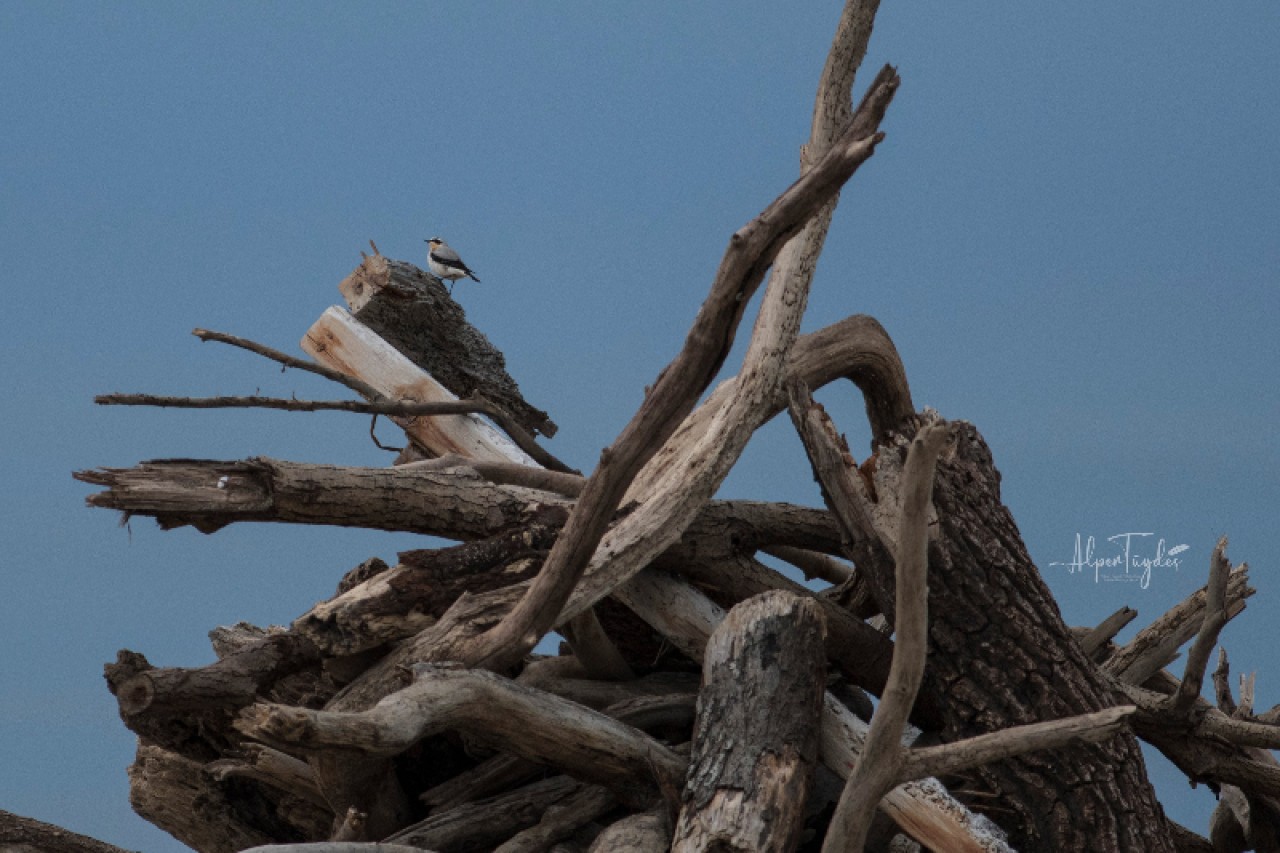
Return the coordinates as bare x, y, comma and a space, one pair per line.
751, 250
880, 764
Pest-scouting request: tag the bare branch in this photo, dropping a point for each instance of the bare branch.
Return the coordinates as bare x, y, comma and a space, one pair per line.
1106, 630
18, 833
812, 563
1222, 683
380, 405
1155, 646
494, 710
1215, 618
879, 764
1246, 695
751, 250
972, 752
354, 383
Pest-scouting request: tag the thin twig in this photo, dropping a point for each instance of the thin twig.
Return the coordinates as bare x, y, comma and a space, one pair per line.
361, 387
381, 406
483, 406
398, 409
373, 434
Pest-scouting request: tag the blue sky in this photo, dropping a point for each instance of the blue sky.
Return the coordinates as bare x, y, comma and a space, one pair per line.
1071, 232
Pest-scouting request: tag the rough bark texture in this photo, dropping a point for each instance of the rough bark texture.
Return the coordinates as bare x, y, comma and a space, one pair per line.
20, 834
174, 793
1001, 655
485, 823
756, 743
412, 311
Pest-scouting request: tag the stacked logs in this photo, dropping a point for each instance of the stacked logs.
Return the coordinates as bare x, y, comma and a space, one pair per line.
708, 700
700, 700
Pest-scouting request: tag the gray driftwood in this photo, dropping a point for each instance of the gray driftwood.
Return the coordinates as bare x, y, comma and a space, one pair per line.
756, 742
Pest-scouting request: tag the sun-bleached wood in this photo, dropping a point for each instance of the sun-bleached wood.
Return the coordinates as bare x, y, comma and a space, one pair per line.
339, 341
756, 742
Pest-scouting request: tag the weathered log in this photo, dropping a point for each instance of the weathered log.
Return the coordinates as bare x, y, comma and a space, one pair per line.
485, 823
562, 820
190, 711
1022, 667
410, 310
404, 600
457, 503
343, 343
20, 834
209, 495
175, 794
270, 767
492, 710
232, 682
757, 735
647, 832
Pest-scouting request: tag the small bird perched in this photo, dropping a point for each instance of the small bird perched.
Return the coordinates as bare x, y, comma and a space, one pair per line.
445, 264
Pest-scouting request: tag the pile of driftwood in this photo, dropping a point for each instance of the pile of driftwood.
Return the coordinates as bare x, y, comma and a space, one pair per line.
701, 700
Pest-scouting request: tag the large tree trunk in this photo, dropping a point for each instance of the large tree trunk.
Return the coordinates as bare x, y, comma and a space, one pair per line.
1000, 655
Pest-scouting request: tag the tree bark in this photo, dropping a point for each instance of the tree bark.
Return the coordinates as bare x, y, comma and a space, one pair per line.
20, 834
1002, 656
176, 795
756, 741
411, 310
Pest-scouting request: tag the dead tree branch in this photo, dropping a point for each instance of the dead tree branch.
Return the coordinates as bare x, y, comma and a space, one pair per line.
1215, 619
751, 250
508, 716
756, 741
881, 760
354, 383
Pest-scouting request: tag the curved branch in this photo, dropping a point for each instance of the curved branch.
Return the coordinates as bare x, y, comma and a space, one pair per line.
356, 384
860, 350
751, 250
1215, 618
493, 710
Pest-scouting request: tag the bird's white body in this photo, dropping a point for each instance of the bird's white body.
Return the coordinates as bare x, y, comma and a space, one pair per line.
445, 264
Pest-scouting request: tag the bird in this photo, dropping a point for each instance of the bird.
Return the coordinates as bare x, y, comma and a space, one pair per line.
445, 264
